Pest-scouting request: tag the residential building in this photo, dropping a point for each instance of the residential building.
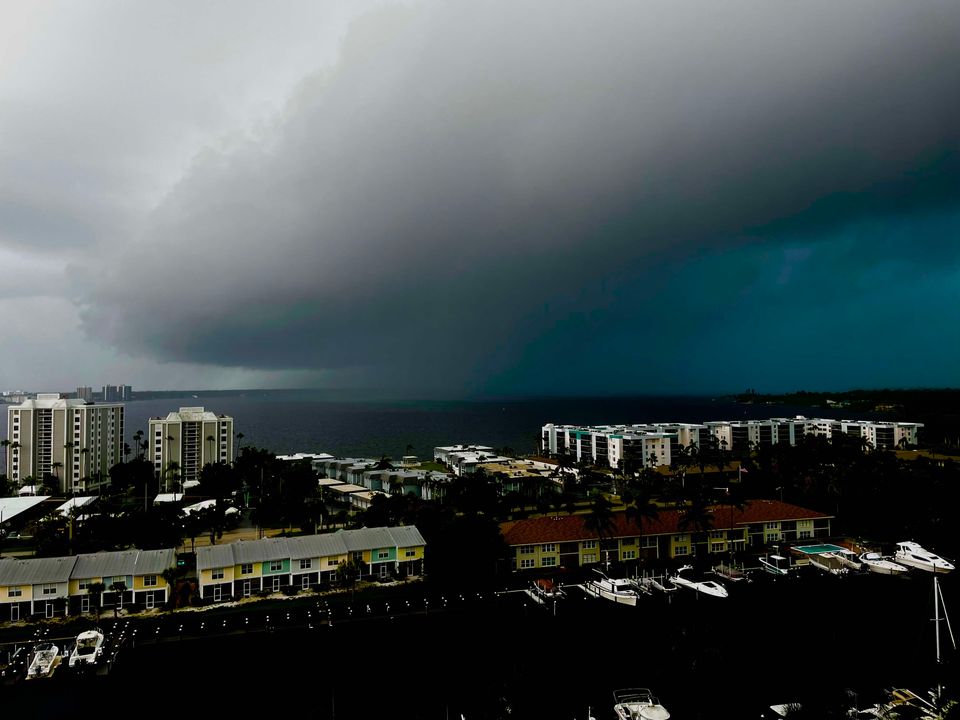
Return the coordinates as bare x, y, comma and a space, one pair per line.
116, 393
659, 444
245, 568
565, 542
72, 440
48, 587
183, 442
85, 393
35, 586
140, 572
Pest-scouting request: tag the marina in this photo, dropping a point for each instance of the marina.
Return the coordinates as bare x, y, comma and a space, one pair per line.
680, 643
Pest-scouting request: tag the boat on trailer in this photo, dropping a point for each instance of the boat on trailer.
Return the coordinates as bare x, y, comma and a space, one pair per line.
638, 704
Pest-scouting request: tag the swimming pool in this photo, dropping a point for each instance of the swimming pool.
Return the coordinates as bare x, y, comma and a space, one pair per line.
817, 549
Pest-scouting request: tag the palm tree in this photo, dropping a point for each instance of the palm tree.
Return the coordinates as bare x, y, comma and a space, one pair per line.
698, 515
210, 441
6, 454
126, 452
55, 466
137, 437
171, 575
240, 437
95, 590
173, 471
119, 587
639, 508
68, 464
599, 520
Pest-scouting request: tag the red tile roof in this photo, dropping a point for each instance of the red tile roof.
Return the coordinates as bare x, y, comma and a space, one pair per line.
567, 528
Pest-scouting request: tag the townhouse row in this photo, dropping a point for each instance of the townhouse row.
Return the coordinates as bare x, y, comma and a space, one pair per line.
50, 587
246, 568
661, 443
566, 542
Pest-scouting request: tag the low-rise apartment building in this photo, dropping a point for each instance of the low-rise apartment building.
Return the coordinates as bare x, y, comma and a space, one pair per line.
566, 542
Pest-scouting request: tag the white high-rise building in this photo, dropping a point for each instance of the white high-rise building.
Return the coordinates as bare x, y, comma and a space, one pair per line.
185, 441
75, 441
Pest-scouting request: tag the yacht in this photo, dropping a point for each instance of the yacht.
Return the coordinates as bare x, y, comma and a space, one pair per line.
706, 587
46, 657
876, 563
638, 704
88, 649
913, 555
849, 559
618, 590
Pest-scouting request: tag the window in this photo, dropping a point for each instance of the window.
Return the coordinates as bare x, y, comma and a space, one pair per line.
50, 589
333, 562
83, 584
548, 547
548, 561
216, 574
716, 534
526, 563
589, 558
681, 538
306, 564
383, 554
526, 549
717, 547
246, 568
681, 550
589, 544
276, 565
629, 554
149, 580
409, 553
14, 592
804, 534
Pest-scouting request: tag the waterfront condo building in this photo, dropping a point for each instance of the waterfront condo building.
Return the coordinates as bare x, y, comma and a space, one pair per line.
183, 442
72, 440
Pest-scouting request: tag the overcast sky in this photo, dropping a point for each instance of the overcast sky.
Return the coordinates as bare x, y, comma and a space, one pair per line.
480, 198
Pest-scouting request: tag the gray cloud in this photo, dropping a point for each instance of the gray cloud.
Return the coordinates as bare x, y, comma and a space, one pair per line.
470, 189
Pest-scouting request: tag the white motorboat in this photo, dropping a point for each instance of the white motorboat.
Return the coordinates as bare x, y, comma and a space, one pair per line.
706, 587
775, 565
638, 704
828, 562
618, 590
876, 563
46, 657
649, 584
88, 649
849, 559
913, 555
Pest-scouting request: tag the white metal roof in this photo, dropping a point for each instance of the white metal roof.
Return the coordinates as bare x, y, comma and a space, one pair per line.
75, 502
10, 507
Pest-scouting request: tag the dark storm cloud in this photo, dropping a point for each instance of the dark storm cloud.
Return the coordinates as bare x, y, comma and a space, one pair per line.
471, 193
